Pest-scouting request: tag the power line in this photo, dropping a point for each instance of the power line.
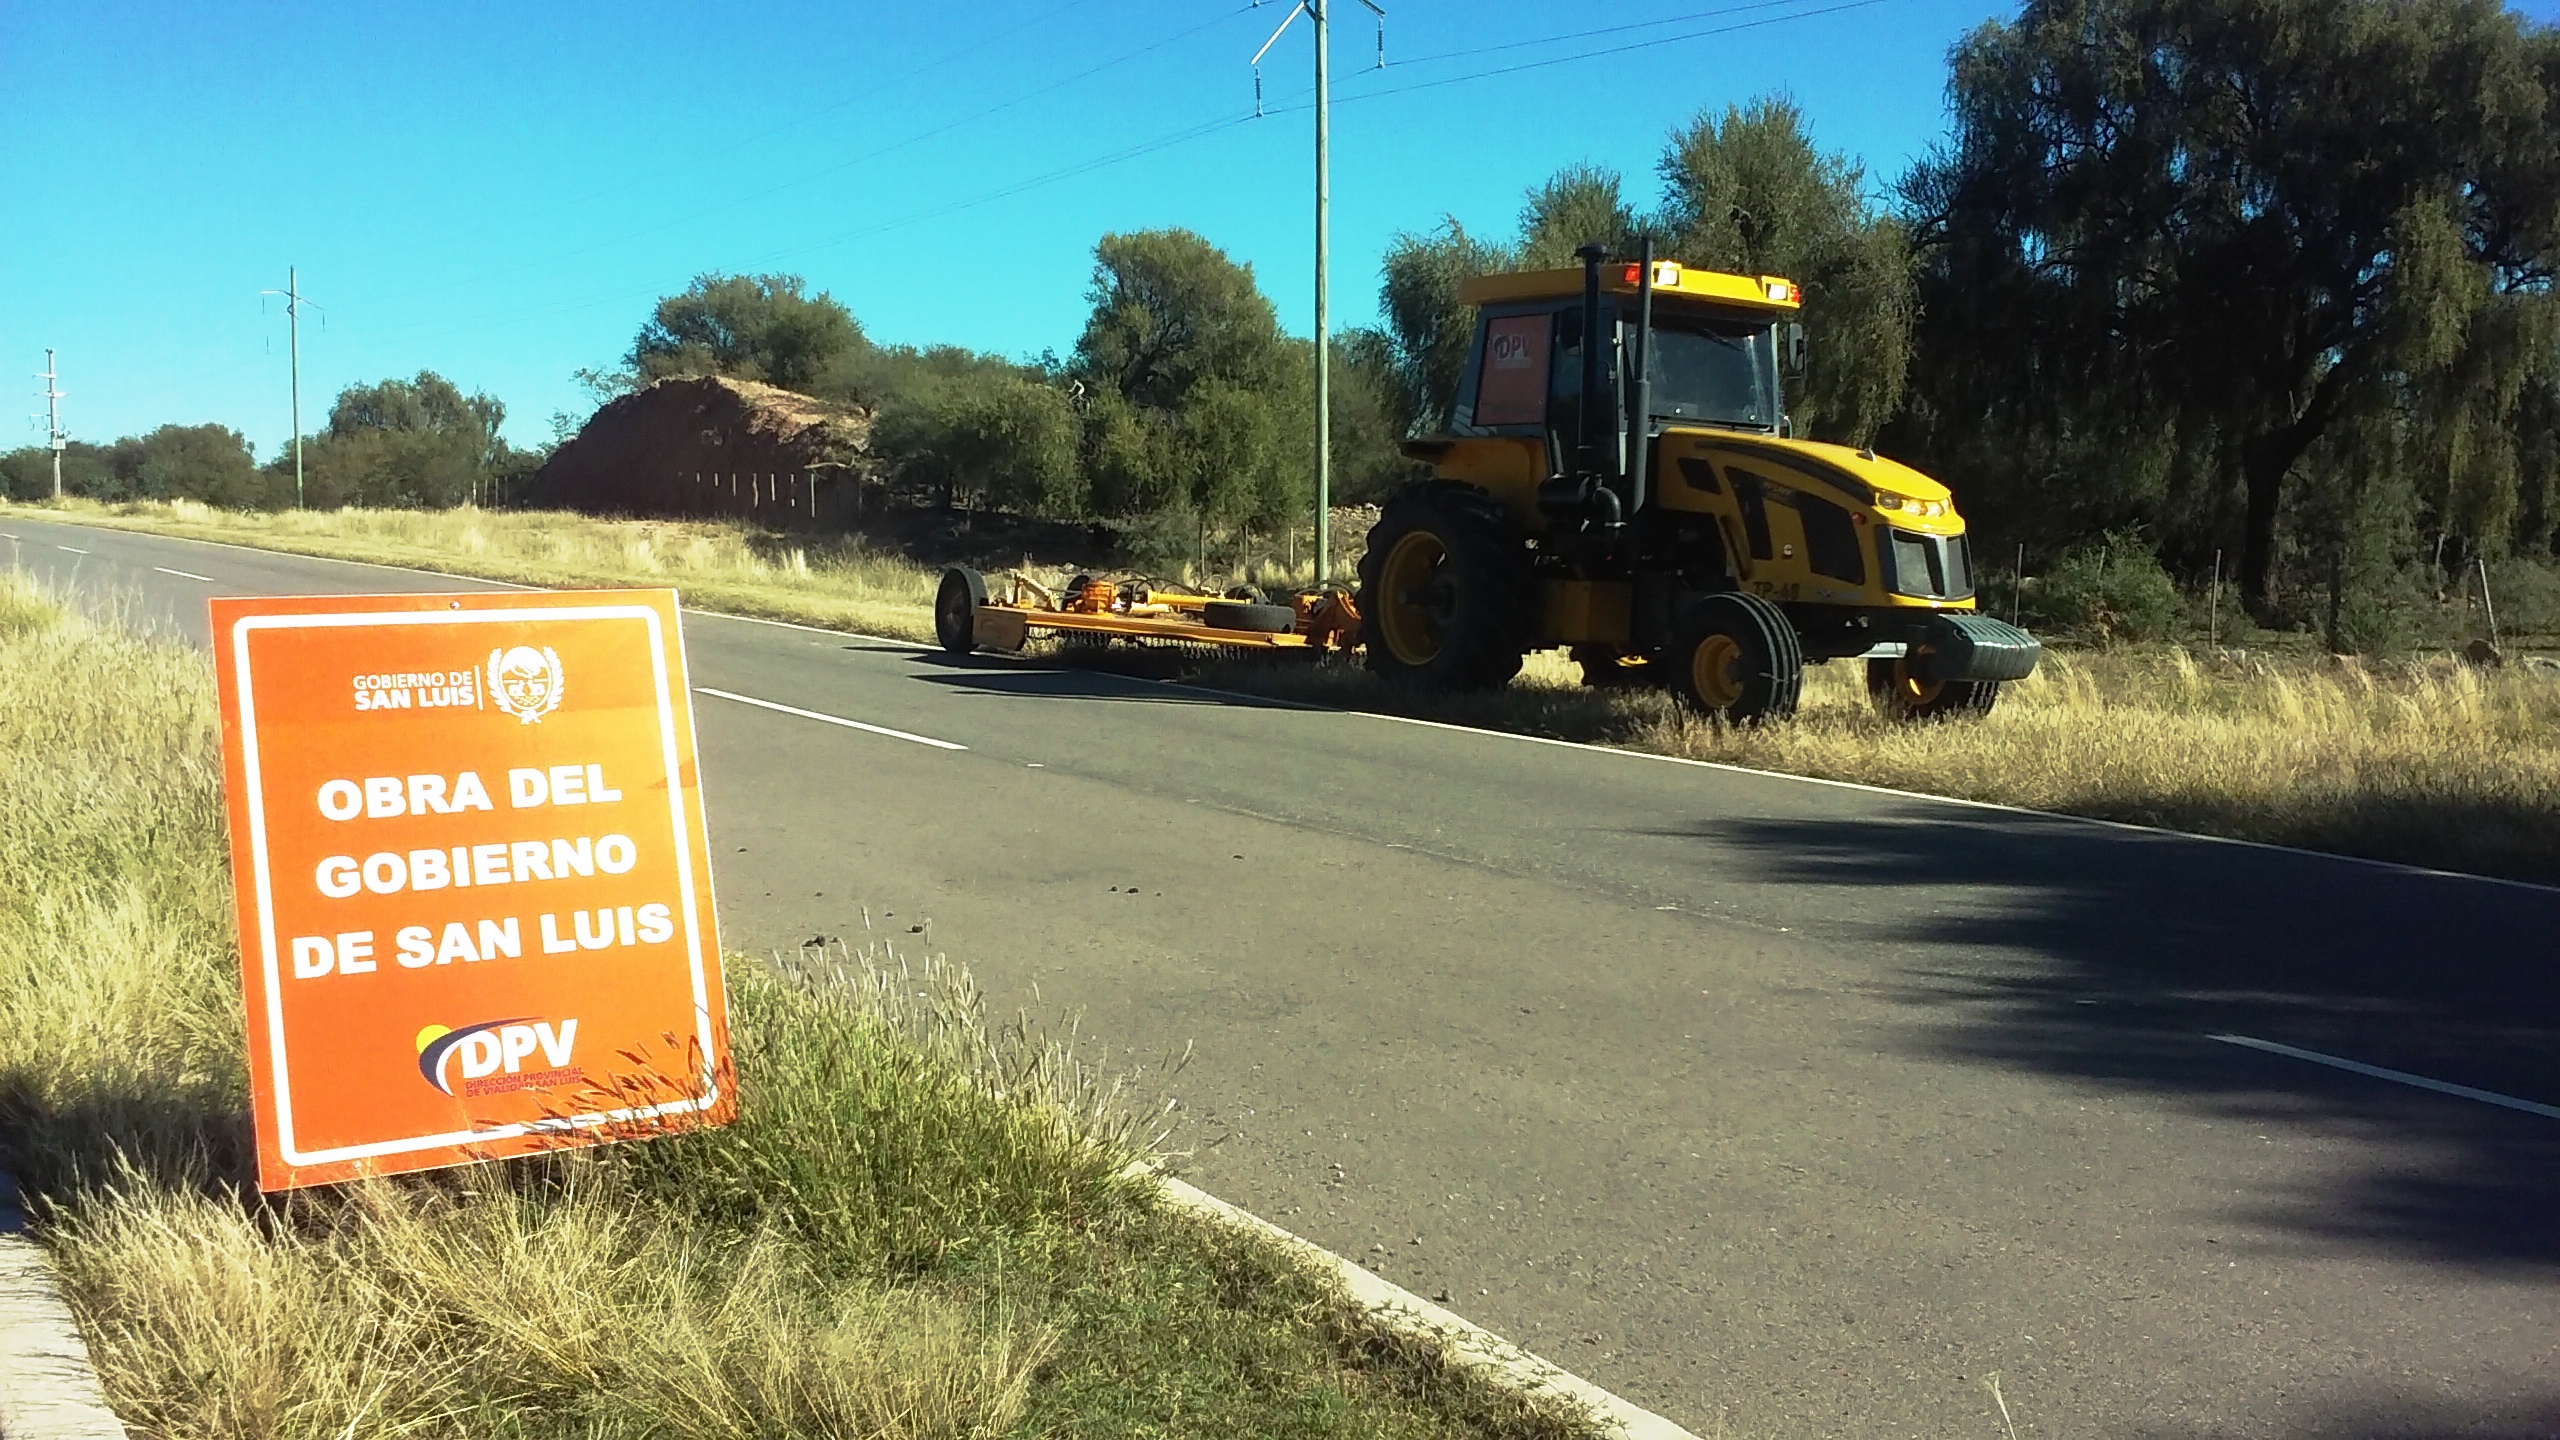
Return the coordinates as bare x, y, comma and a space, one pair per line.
1526, 65
1178, 137
1404, 62
823, 172
795, 122
1182, 136
1167, 141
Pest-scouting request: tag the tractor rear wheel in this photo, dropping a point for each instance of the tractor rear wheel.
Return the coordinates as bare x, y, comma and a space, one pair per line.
1445, 590
1905, 696
955, 609
1736, 658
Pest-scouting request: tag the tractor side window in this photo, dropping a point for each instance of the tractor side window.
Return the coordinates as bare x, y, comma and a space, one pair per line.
1564, 393
1511, 388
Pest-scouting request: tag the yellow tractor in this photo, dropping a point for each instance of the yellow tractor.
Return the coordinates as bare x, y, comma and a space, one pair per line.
1620, 478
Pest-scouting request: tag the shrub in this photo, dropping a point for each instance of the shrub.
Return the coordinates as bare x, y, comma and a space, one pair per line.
2108, 592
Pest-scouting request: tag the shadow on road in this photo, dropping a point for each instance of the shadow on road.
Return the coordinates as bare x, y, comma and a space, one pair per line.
2386, 1416
1071, 680
2110, 956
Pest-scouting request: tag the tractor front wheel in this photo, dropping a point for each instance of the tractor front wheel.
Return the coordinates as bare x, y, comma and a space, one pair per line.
1902, 694
1445, 591
1737, 659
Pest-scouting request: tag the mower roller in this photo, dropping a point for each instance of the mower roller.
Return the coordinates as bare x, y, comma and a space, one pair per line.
969, 616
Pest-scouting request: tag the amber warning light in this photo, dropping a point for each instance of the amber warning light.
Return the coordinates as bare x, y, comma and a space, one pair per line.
472, 876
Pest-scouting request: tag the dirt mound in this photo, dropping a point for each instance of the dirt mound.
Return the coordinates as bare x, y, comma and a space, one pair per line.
711, 446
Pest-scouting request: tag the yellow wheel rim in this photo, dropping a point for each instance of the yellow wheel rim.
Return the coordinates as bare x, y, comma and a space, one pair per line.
1715, 669
1909, 690
1413, 605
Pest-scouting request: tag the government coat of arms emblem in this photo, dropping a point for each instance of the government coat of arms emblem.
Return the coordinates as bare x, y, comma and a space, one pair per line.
525, 682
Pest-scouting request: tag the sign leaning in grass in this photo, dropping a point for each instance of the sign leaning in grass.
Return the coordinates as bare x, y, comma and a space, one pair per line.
473, 880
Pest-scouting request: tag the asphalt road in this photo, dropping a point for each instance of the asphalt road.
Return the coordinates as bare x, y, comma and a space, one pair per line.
1793, 1108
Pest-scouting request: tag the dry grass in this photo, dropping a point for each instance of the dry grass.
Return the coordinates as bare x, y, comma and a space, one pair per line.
2428, 761
918, 1225
720, 565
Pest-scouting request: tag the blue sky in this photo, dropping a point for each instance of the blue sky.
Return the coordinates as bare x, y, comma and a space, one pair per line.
497, 192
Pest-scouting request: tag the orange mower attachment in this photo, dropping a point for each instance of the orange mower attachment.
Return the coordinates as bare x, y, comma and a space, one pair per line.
968, 617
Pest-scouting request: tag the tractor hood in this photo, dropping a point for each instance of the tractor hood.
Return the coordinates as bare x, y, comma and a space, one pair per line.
1863, 476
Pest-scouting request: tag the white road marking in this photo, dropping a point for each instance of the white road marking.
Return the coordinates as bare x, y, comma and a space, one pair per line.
890, 641
2441, 1087
863, 726
270, 550
186, 574
1955, 800
74, 549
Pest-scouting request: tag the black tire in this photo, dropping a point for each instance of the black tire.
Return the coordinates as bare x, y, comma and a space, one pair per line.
1899, 694
1604, 669
955, 609
1446, 600
1246, 615
1736, 658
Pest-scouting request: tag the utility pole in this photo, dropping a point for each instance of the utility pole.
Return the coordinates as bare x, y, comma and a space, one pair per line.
292, 293
1315, 10
53, 433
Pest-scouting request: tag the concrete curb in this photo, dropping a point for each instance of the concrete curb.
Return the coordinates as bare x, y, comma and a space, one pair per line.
47, 1389
1401, 1312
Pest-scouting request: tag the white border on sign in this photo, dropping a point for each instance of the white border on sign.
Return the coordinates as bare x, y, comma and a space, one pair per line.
240, 632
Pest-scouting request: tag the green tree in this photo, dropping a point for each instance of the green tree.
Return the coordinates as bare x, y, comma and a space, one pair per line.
1190, 392
1744, 191
747, 327
2174, 245
1128, 458
1579, 205
1369, 419
86, 472
1428, 332
403, 443
1747, 192
1228, 444
211, 463
1171, 311
1001, 440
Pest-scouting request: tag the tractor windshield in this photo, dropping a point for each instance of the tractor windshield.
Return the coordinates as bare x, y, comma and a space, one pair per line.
1723, 372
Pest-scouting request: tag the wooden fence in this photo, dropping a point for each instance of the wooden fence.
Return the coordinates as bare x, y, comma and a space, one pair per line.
796, 497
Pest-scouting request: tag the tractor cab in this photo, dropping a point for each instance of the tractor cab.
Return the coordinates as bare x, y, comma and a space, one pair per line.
1621, 464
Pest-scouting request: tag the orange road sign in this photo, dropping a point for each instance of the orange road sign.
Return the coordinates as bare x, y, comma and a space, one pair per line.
473, 879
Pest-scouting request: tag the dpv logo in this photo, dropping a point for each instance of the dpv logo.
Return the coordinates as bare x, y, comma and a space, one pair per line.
492, 1055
